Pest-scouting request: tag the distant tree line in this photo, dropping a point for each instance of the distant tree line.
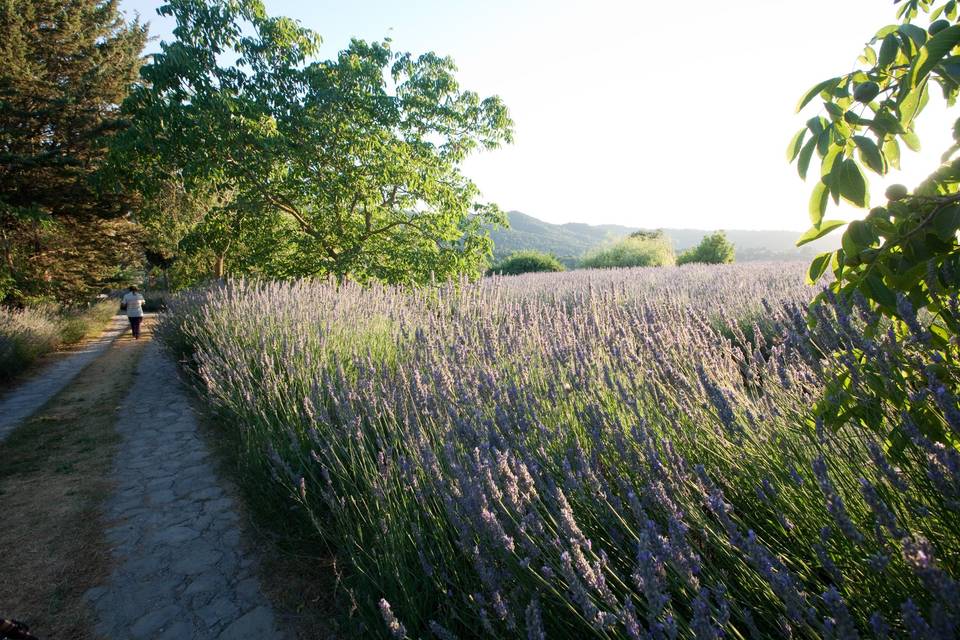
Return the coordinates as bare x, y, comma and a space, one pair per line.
640, 249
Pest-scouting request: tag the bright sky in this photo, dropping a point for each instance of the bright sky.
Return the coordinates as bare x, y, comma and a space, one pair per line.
636, 113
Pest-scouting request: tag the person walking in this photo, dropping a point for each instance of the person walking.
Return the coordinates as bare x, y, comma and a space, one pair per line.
132, 303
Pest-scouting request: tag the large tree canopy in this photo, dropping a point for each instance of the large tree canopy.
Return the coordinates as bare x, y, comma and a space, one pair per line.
348, 166
65, 67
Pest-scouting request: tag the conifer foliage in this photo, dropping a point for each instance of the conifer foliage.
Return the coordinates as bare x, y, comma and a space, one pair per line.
65, 66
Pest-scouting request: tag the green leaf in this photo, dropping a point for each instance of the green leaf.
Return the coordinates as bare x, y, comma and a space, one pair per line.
876, 290
795, 145
915, 33
834, 110
852, 184
818, 267
884, 122
831, 157
887, 30
818, 203
836, 263
817, 124
888, 51
946, 223
911, 140
815, 233
817, 90
835, 175
857, 237
832, 172
940, 335
913, 104
891, 151
870, 154
803, 163
824, 140
934, 51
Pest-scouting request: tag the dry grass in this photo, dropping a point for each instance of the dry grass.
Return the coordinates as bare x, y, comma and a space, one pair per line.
54, 476
33, 336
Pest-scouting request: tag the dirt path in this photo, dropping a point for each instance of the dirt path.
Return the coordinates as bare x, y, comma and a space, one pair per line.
180, 570
26, 398
113, 523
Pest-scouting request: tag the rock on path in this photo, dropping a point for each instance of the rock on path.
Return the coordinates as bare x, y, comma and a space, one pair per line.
180, 571
24, 400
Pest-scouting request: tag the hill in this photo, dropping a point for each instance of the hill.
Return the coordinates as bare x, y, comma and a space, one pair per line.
570, 241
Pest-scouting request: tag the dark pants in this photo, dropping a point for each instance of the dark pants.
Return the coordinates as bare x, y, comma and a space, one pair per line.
135, 326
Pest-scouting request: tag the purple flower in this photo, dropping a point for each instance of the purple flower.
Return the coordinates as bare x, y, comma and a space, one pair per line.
534, 621
397, 630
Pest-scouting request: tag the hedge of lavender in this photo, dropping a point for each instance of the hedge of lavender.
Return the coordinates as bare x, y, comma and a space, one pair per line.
590, 454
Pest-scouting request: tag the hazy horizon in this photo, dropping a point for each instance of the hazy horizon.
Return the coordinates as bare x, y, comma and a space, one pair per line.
630, 115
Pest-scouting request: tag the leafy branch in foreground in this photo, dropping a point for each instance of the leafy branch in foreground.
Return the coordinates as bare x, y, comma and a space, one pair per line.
901, 263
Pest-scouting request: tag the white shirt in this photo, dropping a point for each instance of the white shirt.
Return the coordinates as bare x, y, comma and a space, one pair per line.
134, 302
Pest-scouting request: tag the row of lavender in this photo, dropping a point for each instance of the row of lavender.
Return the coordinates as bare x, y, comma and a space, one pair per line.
593, 454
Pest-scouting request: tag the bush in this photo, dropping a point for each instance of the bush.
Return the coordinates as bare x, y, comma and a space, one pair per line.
27, 334
713, 249
526, 262
642, 249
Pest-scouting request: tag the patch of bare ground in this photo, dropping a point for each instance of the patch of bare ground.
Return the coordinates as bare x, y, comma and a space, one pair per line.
54, 476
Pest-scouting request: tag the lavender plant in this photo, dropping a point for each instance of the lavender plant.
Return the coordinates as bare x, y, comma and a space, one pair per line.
627, 453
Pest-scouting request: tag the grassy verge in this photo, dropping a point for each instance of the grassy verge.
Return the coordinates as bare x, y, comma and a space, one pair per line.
26, 335
53, 480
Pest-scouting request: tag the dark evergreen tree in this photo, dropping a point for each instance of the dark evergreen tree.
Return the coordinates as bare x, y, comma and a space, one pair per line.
65, 67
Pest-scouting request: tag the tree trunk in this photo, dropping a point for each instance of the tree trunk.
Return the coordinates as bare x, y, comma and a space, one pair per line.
7, 253
218, 267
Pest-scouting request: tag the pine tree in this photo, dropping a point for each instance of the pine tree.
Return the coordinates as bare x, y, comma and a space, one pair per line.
65, 67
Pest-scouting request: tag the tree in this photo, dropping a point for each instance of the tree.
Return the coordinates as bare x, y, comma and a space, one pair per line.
713, 249
348, 166
527, 262
890, 344
642, 249
908, 246
67, 66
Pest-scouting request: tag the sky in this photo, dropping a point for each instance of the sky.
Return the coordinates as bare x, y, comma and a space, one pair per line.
645, 114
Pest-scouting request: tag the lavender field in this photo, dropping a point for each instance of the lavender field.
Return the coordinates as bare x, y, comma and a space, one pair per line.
611, 454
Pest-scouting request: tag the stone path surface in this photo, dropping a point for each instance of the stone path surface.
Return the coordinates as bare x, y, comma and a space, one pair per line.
25, 399
180, 571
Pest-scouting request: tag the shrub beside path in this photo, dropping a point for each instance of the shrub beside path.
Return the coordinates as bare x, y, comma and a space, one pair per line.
180, 570
25, 399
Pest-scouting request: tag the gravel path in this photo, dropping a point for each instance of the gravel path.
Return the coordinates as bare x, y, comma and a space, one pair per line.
180, 571
25, 399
